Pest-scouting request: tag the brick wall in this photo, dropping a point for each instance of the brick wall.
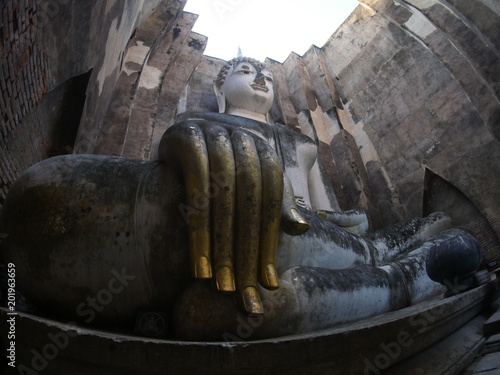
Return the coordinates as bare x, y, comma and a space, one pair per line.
487, 237
24, 77
49, 51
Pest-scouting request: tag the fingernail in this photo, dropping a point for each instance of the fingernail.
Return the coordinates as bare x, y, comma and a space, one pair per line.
251, 301
271, 277
300, 225
322, 214
224, 280
202, 268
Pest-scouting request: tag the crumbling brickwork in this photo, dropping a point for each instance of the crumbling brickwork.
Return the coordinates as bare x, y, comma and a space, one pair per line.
24, 77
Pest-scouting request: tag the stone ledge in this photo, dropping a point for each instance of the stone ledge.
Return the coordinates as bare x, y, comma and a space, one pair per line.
488, 365
492, 325
370, 346
492, 345
450, 356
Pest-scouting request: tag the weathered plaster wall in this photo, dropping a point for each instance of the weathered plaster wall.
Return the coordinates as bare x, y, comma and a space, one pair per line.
419, 85
404, 94
44, 45
157, 65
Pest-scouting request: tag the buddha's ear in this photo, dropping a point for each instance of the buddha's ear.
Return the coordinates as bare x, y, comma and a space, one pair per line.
221, 98
268, 117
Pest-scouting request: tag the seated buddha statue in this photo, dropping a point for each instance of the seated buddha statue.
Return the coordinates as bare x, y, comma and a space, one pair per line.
225, 226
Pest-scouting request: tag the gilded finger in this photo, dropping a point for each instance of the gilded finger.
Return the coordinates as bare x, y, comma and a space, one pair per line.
222, 182
248, 219
272, 198
184, 144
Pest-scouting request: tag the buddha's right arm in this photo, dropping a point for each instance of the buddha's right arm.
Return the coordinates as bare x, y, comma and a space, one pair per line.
237, 199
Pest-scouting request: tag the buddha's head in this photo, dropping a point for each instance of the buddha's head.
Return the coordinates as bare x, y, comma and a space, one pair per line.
245, 87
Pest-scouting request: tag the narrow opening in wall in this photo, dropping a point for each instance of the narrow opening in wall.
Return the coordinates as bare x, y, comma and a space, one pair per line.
441, 195
72, 96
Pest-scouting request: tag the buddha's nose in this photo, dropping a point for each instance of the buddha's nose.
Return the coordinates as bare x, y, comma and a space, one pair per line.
260, 79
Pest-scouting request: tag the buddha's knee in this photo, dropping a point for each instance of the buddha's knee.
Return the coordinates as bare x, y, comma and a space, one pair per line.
74, 224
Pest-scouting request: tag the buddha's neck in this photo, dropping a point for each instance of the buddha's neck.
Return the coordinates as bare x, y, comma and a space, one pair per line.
246, 113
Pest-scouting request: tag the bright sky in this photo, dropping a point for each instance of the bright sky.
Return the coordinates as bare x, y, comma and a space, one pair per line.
267, 28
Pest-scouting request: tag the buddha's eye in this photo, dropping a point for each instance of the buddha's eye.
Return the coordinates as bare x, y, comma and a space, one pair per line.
245, 69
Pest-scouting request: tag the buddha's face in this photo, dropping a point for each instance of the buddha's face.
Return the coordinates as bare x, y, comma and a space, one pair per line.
248, 87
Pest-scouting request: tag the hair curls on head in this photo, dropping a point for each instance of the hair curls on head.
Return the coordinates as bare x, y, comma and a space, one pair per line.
232, 63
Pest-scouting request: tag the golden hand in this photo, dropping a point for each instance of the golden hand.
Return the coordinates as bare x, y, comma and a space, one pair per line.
232, 235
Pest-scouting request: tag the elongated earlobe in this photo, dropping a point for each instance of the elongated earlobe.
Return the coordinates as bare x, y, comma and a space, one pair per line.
221, 98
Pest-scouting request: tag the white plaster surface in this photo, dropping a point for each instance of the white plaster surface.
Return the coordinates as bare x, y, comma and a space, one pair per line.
114, 47
419, 24
365, 145
326, 127
422, 4
150, 77
135, 54
316, 251
342, 307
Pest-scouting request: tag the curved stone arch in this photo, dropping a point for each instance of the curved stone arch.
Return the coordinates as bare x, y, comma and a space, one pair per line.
442, 195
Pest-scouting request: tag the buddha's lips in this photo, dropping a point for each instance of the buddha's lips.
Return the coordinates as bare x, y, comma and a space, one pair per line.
256, 86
